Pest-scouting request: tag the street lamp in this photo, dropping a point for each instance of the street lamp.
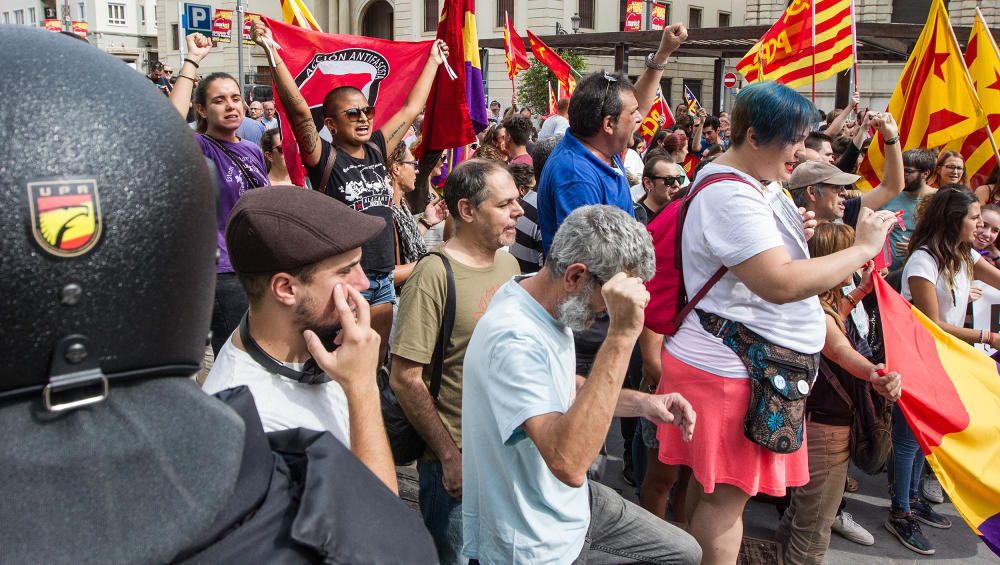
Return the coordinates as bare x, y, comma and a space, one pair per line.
575, 22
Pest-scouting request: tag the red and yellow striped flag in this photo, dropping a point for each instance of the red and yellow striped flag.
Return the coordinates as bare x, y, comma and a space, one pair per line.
983, 60
785, 53
934, 102
295, 13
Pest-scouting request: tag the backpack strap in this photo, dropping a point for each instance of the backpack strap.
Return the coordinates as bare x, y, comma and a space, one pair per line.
700, 184
251, 180
327, 169
447, 323
835, 383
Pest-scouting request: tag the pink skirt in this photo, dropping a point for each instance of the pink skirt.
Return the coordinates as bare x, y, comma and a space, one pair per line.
719, 452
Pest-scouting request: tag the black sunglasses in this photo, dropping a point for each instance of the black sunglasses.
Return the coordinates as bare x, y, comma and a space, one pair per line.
354, 114
668, 180
277, 148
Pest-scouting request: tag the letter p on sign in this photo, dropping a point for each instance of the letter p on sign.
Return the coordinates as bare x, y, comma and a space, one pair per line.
198, 18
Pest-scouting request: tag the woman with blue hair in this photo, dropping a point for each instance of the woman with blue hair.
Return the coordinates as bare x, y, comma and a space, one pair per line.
754, 338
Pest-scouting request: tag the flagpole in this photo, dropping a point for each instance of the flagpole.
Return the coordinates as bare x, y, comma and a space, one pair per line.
812, 6
968, 77
854, 52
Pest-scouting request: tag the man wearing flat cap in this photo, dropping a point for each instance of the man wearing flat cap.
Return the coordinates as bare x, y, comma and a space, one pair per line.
297, 254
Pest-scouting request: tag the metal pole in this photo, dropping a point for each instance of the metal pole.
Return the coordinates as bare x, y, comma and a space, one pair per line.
648, 15
67, 19
181, 42
239, 45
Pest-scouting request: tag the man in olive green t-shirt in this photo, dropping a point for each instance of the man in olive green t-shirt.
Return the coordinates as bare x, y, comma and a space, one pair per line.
483, 201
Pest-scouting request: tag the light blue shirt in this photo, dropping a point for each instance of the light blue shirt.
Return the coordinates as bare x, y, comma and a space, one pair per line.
907, 202
514, 510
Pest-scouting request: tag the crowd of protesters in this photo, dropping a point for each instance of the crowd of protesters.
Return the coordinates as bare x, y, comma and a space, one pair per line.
533, 256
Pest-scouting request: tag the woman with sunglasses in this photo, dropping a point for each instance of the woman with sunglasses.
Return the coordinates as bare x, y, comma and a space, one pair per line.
769, 288
239, 165
949, 169
409, 232
277, 171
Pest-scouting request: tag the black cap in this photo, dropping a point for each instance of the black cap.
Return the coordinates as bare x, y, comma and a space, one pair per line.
283, 228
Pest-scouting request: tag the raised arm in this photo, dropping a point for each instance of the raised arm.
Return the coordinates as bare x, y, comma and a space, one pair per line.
198, 47
299, 116
645, 88
775, 277
837, 125
892, 173
394, 129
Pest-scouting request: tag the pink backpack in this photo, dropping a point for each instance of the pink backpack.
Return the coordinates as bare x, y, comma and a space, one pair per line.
668, 299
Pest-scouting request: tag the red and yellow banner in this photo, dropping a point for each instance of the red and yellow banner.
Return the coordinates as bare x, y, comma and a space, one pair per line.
295, 13
633, 15
552, 60
248, 19
552, 99
222, 26
983, 60
934, 102
787, 52
659, 20
951, 397
659, 110
53, 24
513, 48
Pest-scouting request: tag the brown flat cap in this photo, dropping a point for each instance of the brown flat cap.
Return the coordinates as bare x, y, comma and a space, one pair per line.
283, 228
815, 172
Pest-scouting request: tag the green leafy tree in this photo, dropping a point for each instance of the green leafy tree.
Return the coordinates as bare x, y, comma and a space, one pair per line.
533, 91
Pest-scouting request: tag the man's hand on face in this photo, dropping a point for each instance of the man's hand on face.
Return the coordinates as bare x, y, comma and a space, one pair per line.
354, 362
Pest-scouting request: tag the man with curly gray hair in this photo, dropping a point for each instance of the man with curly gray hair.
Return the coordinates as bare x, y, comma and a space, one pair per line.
532, 427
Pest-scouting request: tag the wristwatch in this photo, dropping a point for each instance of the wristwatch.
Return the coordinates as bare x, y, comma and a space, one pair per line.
652, 64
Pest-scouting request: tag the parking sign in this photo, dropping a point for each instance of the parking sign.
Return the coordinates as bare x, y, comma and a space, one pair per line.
198, 18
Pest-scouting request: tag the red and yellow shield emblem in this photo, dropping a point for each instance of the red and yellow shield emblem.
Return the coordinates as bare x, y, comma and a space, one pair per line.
65, 216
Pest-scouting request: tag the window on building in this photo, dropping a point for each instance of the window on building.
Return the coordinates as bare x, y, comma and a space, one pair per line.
19, 17
116, 14
504, 7
666, 84
911, 11
695, 87
432, 13
142, 14
585, 8
81, 12
694, 17
6, 17
666, 14
32, 17
174, 42
724, 19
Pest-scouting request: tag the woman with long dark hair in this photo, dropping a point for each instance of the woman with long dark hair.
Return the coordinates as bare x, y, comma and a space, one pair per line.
764, 302
937, 279
274, 158
239, 166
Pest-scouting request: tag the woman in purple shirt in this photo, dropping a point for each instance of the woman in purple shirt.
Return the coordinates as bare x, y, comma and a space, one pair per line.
239, 166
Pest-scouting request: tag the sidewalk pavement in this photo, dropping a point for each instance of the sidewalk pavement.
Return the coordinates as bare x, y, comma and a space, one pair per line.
870, 508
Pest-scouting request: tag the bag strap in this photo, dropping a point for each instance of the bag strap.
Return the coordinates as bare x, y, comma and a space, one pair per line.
447, 323
246, 174
831, 378
328, 167
700, 185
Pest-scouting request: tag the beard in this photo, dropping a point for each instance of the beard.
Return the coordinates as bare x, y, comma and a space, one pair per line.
305, 318
575, 312
913, 186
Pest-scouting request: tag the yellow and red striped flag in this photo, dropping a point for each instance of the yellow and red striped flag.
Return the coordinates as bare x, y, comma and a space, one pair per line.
934, 102
983, 60
295, 13
785, 53
552, 99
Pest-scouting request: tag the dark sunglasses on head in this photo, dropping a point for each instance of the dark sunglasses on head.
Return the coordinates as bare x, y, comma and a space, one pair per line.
354, 114
669, 180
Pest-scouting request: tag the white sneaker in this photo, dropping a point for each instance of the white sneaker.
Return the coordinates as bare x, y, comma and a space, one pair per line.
845, 525
931, 489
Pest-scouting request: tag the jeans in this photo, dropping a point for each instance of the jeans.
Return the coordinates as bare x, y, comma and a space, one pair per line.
381, 289
804, 530
622, 532
442, 514
228, 309
907, 464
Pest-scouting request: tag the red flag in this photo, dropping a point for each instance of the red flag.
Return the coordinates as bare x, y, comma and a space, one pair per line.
513, 48
552, 60
552, 100
382, 70
447, 122
659, 109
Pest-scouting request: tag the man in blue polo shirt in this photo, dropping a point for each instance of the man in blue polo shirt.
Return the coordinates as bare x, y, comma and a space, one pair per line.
604, 111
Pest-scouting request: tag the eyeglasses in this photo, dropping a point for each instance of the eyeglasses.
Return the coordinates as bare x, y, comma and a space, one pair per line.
910, 171
277, 148
354, 114
669, 181
954, 167
414, 163
443, 159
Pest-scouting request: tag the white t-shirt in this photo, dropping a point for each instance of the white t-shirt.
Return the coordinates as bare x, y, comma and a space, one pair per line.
281, 402
953, 301
520, 364
986, 313
633, 163
728, 223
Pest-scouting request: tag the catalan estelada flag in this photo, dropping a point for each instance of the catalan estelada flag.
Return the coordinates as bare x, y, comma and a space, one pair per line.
934, 102
513, 49
692, 102
786, 52
983, 60
552, 60
951, 398
295, 13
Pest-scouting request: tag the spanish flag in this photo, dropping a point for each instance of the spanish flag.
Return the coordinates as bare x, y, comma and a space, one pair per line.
951, 398
983, 60
295, 13
807, 40
934, 101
